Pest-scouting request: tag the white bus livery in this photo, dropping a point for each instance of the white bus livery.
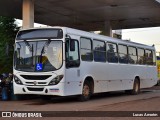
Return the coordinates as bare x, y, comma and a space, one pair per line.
61, 61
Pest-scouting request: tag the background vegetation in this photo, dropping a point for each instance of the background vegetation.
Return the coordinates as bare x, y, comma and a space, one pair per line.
8, 31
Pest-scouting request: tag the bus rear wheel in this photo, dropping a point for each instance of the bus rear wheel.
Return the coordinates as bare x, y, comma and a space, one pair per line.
136, 88
86, 92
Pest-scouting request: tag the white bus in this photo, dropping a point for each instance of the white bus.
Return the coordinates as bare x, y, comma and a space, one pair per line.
61, 61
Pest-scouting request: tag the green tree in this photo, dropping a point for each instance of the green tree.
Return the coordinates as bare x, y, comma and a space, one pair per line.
8, 31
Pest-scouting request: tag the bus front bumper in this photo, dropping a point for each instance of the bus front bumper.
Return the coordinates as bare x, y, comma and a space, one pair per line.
56, 90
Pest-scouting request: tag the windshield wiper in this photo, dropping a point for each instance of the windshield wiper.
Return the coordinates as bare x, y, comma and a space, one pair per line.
30, 48
43, 51
45, 45
28, 45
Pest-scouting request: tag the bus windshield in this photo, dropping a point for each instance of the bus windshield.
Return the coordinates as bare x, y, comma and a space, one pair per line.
40, 56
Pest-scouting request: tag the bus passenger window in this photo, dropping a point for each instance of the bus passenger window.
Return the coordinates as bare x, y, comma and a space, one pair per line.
123, 56
99, 51
154, 58
112, 53
86, 49
149, 57
132, 55
141, 56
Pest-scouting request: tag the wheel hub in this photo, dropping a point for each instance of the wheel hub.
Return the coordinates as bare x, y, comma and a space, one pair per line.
86, 90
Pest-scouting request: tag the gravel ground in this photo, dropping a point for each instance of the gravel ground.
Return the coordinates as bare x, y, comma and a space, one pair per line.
154, 88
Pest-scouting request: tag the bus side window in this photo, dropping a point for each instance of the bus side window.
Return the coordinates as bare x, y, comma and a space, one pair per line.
99, 51
149, 57
112, 53
123, 55
154, 58
72, 56
132, 55
86, 49
141, 56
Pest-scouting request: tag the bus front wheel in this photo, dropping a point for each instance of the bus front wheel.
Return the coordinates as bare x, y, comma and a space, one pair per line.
86, 92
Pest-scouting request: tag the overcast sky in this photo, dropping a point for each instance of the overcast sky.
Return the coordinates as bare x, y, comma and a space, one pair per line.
147, 36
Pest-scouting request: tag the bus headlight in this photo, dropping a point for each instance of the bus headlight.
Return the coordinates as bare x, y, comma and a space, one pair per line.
17, 80
56, 80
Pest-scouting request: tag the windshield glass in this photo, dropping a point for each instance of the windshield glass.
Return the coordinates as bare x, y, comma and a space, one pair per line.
38, 55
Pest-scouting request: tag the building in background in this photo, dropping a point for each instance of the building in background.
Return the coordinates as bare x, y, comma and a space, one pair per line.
117, 34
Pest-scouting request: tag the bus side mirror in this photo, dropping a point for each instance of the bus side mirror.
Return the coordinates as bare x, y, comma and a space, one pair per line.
72, 45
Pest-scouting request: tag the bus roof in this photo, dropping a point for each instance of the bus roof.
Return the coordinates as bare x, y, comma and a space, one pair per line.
107, 38
96, 36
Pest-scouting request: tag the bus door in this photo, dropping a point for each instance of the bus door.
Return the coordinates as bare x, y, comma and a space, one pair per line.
72, 75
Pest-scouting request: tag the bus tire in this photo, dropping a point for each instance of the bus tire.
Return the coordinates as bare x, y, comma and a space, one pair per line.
136, 88
86, 92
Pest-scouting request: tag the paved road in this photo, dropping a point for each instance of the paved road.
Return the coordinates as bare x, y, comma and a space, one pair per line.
147, 100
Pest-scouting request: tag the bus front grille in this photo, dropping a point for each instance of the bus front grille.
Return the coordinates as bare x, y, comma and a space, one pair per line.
36, 77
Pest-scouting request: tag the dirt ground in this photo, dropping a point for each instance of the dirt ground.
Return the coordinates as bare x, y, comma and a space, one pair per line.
147, 101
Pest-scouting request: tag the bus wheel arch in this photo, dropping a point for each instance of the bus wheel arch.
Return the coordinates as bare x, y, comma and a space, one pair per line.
91, 81
136, 87
87, 89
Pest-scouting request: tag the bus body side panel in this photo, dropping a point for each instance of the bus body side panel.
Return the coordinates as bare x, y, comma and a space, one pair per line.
72, 84
151, 77
114, 77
